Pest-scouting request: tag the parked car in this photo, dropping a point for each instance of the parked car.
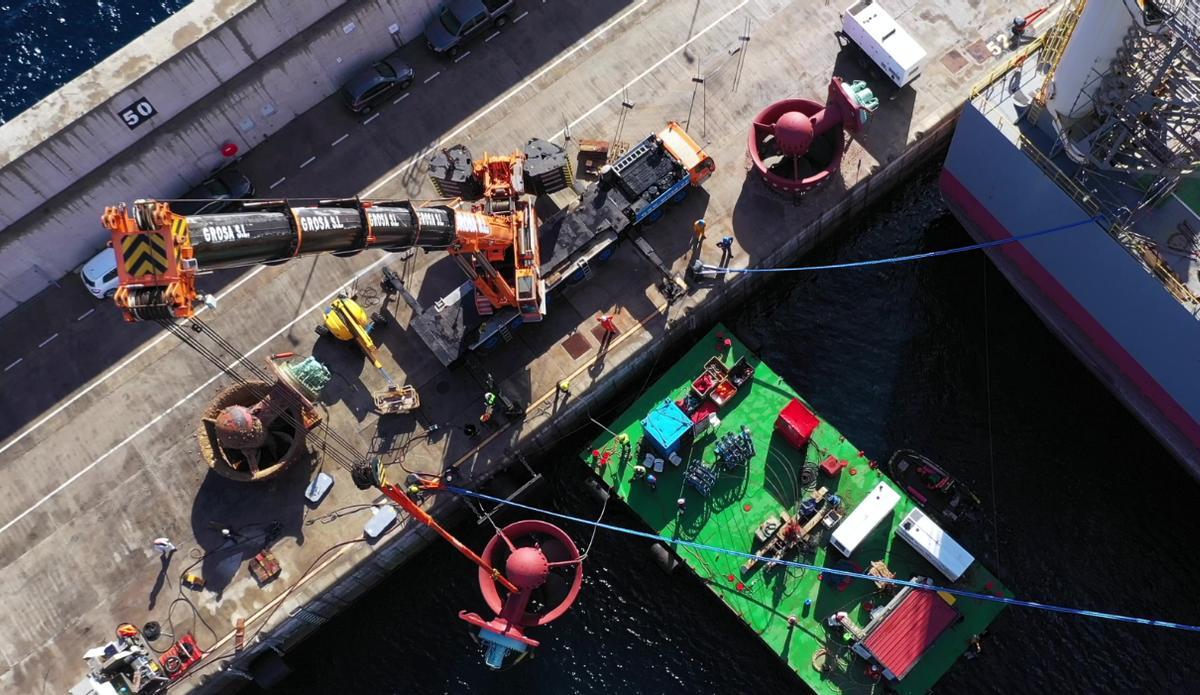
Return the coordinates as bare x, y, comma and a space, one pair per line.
99, 274
373, 83
218, 193
459, 20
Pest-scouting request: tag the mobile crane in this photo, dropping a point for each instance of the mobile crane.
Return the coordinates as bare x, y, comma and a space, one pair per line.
493, 238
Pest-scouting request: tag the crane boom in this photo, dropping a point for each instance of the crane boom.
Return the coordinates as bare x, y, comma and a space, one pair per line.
159, 252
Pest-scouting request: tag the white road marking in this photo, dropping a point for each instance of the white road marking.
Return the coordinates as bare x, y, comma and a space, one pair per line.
459, 58
104, 377
85, 314
17, 361
335, 143
519, 18
371, 118
399, 170
516, 90
281, 180
308, 161
47, 340
401, 98
434, 75
650, 69
299, 317
494, 35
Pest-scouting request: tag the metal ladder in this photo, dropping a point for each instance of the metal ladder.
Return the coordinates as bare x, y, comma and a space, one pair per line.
1052, 52
632, 156
483, 305
584, 269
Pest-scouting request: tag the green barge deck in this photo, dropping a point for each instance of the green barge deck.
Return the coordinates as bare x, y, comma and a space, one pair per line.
768, 484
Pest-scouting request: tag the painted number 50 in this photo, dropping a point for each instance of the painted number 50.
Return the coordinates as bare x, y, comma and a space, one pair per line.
136, 113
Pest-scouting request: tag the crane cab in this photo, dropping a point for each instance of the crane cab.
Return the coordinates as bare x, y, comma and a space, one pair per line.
531, 288
687, 152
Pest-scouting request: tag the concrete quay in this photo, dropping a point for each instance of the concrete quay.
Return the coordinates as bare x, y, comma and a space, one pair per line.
101, 456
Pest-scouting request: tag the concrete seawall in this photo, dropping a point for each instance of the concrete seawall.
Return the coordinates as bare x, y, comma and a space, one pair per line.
218, 71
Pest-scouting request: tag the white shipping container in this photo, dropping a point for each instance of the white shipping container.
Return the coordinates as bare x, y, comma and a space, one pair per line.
928, 539
864, 518
884, 41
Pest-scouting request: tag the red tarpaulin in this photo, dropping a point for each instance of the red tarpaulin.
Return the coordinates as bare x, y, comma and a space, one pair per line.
796, 423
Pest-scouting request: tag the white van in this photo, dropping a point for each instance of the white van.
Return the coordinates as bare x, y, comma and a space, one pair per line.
928, 539
864, 518
884, 41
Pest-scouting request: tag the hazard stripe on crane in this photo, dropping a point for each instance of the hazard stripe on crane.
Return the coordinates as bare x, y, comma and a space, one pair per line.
144, 254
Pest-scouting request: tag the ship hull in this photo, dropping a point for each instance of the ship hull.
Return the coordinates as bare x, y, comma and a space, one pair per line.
1117, 318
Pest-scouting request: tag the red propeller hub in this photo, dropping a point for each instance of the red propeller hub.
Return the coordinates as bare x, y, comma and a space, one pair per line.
794, 133
527, 568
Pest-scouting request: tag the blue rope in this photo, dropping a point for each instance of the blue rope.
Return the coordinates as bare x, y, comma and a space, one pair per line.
717, 270
830, 570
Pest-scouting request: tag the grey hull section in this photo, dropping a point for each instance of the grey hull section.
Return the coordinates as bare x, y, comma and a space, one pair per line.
1101, 301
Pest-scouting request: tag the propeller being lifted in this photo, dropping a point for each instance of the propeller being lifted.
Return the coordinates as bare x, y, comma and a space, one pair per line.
547, 569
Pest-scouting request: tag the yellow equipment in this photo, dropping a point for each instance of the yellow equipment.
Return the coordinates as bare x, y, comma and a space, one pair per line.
345, 319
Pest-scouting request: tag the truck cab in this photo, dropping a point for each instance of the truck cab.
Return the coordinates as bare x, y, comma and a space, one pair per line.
457, 21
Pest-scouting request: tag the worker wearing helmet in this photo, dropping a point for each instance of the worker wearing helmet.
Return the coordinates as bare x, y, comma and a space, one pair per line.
489, 405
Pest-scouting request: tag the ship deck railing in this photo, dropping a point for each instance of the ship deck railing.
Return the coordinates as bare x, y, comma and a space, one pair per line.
992, 96
1144, 249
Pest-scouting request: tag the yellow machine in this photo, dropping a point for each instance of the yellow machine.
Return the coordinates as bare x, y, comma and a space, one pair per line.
345, 319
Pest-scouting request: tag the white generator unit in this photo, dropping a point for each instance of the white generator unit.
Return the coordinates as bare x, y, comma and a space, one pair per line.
884, 41
865, 517
928, 539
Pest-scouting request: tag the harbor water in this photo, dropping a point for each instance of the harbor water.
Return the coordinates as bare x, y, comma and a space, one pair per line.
1082, 506
47, 43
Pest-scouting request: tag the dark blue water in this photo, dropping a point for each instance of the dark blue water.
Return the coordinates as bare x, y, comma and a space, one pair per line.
1085, 507
45, 44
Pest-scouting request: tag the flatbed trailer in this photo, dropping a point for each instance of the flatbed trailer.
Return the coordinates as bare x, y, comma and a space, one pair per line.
635, 189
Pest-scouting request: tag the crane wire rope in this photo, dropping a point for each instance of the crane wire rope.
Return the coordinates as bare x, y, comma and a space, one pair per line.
709, 269
263, 375
987, 373
349, 453
1020, 603
182, 333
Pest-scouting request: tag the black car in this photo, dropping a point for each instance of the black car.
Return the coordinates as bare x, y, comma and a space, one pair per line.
456, 21
219, 193
370, 85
